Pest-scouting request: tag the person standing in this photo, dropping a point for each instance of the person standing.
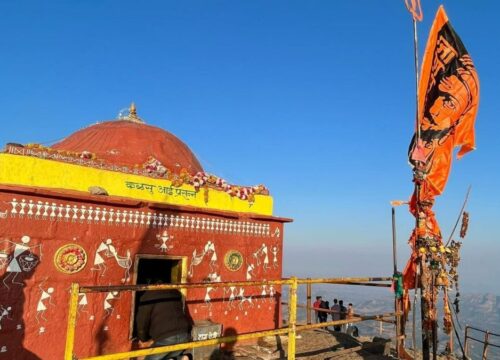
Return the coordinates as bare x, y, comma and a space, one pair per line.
350, 315
343, 313
316, 305
336, 314
161, 318
322, 314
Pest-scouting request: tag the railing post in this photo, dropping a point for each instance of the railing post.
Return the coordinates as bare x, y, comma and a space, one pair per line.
70, 333
485, 349
309, 292
466, 345
292, 320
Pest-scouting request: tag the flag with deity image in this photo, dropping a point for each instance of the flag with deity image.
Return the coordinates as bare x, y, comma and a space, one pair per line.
448, 102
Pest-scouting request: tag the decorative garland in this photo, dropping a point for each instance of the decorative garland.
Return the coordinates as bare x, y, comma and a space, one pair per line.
151, 168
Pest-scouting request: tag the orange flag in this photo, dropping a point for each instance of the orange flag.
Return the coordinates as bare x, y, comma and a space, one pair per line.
448, 102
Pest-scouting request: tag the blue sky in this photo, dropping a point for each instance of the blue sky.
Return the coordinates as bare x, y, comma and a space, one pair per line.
315, 99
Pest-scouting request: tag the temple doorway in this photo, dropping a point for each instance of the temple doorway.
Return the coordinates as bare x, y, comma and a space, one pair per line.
150, 269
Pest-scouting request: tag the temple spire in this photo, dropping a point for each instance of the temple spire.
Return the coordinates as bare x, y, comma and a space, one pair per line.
132, 115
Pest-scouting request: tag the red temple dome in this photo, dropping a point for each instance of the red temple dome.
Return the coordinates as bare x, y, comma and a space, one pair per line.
130, 142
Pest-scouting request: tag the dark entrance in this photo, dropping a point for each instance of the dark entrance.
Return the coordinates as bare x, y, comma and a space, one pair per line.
152, 269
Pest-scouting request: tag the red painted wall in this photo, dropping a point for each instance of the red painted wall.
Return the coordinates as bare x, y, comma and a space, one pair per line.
33, 314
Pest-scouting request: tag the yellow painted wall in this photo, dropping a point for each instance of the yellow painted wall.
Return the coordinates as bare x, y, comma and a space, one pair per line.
35, 172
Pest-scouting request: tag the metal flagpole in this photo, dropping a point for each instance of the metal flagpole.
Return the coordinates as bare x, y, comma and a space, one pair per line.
415, 9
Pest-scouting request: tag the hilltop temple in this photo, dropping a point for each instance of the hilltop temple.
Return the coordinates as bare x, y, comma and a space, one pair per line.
113, 204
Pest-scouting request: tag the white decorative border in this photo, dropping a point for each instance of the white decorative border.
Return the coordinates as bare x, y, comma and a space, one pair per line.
111, 216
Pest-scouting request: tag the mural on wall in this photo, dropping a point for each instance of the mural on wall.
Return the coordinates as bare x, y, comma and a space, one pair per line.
82, 303
109, 301
77, 213
164, 238
99, 261
275, 251
250, 269
232, 296
105, 250
263, 293
70, 259
233, 260
244, 299
20, 257
197, 258
208, 299
261, 257
210, 249
44, 301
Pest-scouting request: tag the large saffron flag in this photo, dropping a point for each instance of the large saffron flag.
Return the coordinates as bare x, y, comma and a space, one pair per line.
448, 102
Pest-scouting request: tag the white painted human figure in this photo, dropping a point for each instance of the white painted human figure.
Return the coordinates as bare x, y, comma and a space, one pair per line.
260, 253
4, 314
13, 203
263, 294
210, 249
232, 297
265, 264
23, 205
250, 269
164, 239
275, 250
45, 296
30, 209
208, 298
272, 292
23, 258
102, 250
108, 305
244, 299
82, 303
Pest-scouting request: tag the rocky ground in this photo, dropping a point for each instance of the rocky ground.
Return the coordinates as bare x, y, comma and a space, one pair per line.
317, 344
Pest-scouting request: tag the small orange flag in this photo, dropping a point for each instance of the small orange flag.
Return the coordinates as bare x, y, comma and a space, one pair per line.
448, 102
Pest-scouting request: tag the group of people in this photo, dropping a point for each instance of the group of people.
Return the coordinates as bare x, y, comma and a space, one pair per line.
338, 312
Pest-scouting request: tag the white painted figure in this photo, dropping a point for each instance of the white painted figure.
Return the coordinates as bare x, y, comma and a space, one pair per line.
244, 299
263, 294
250, 269
4, 314
232, 296
23, 258
108, 304
13, 203
208, 298
82, 303
102, 250
164, 239
265, 265
43, 302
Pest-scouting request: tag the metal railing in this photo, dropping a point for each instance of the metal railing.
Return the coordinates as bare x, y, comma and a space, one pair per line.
486, 342
290, 330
